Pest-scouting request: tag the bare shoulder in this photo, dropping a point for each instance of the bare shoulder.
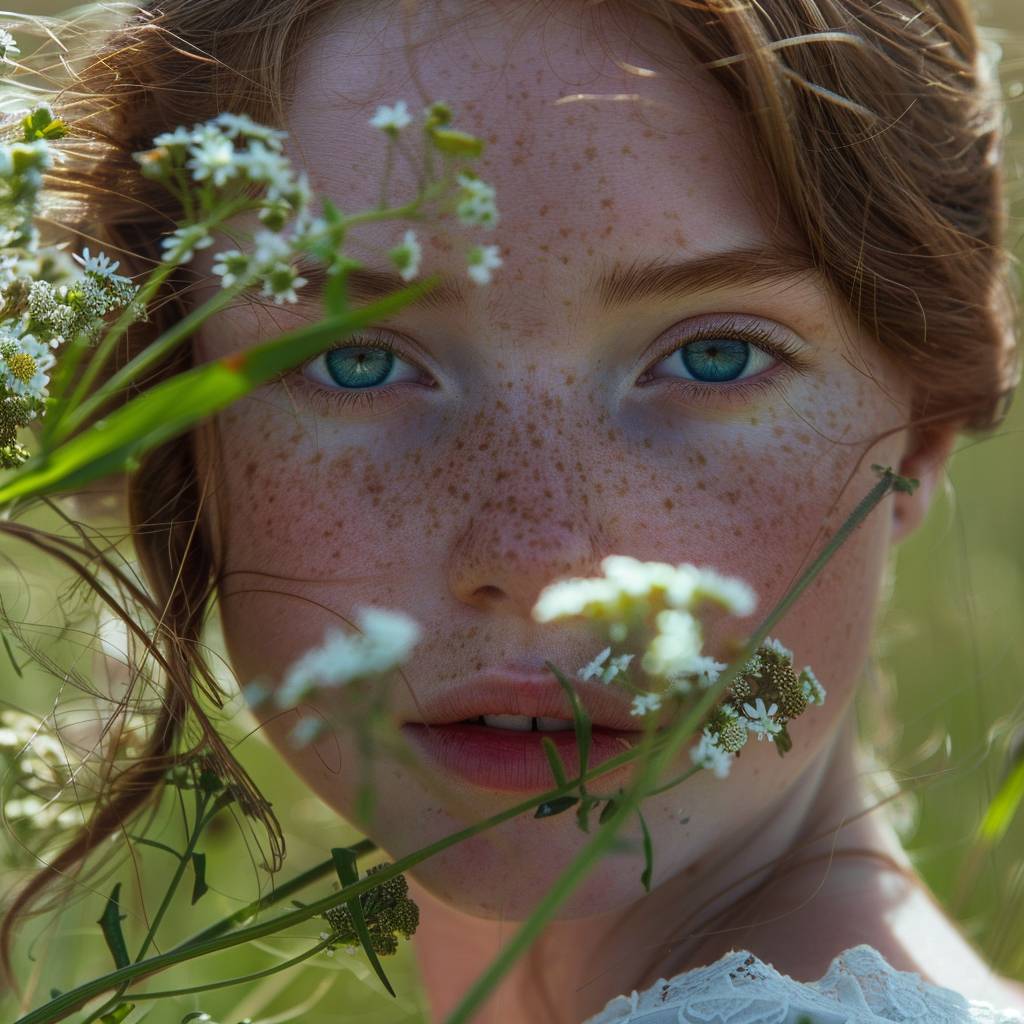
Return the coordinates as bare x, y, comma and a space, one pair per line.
812, 920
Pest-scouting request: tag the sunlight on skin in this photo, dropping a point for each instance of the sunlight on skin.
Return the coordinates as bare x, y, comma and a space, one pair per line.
540, 448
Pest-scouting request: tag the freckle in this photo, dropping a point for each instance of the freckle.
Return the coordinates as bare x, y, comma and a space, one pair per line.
754, 421
250, 470
701, 461
669, 504
787, 449
778, 431
626, 151
458, 444
560, 466
732, 497
544, 248
590, 152
679, 238
647, 442
565, 262
701, 486
465, 496
543, 211
565, 232
608, 203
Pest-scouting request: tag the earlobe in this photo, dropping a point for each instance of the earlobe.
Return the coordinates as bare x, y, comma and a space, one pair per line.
925, 461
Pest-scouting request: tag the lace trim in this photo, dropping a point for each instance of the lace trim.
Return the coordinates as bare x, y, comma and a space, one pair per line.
860, 987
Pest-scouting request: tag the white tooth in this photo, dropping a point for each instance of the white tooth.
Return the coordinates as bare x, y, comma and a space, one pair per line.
520, 723
553, 724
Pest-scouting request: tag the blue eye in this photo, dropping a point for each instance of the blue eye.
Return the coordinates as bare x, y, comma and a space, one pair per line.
349, 373
719, 360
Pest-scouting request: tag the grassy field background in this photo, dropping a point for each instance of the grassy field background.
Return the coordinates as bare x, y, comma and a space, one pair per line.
943, 708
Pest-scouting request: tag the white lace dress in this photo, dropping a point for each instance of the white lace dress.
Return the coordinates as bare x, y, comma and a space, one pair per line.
860, 987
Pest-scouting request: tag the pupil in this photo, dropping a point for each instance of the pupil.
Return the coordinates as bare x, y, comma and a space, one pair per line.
716, 358
354, 367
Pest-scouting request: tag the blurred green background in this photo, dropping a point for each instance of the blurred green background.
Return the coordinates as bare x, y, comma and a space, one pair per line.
943, 707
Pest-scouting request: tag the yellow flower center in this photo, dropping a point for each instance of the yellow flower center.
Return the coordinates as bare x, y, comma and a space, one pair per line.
21, 366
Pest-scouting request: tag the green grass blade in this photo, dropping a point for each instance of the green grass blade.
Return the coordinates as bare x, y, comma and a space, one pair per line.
1003, 808
345, 865
110, 922
551, 751
645, 877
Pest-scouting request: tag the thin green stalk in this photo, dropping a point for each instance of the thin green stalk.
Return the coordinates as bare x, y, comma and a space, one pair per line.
323, 944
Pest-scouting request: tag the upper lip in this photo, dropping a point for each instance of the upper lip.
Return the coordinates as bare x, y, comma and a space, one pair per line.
503, 692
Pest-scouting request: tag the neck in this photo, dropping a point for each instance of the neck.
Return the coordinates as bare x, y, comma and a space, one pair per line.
582, 963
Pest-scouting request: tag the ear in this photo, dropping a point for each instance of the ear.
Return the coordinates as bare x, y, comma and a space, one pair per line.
925, 460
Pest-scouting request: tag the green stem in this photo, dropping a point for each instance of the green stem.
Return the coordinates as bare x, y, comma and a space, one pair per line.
169, 993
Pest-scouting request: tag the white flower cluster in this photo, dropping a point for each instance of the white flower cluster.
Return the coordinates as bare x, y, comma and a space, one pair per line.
40, 314
475, 206
8, 47
384, 643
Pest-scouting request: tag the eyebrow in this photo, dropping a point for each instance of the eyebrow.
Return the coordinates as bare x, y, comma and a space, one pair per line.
617, 286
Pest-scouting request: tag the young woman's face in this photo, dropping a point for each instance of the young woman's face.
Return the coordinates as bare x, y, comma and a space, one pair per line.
522, 437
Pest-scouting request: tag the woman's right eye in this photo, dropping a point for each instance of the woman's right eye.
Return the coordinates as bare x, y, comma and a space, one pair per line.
359, 371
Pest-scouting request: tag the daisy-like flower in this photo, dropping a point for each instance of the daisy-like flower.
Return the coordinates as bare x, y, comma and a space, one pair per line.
644, 702
704, 673
391, 119
231, 266
476, 202
606, 672
735, 596
676, 646
481, 260
595, 667
407, 256
213, 156
25, 368
265, 165
8, 47
280, 284
269, 249
179, 140
812, 688
180, 245
99, 264
760, 720
708, 754
234, 125
341, 659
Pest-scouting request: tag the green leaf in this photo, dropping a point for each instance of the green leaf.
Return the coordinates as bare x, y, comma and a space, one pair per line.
456, 143
10, 654
552, 807
583, 812
209, 781
348, 874
551, 751
116, 442
110, 922
580, 719
1003, 808
199, 887
608, 810
156, 845
645, 878
196, 1015
117, 1014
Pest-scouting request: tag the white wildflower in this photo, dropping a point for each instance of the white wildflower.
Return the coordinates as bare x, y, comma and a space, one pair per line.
269, 249
306, 730
644, 702
704, 673
594, 667
576, 596
99, 264
760, 720
294, 189
732, 594
812, 688
234, 125
231, 266
280, 284
265, 166
180, 245
606, 672
708, 754
8, 47
481, 260
180, 139
391, 119
407, 256
213, 156
476, 202
342, 658
24, 370
779, 648
675, 647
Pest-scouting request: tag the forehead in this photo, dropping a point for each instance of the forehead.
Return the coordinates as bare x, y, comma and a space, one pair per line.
602, 136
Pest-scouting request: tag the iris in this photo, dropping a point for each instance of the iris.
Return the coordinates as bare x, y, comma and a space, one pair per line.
355, 367
716, 358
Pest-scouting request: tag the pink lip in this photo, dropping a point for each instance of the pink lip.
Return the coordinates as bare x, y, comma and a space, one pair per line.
514, 762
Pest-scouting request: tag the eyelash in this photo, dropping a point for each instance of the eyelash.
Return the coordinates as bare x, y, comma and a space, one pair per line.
785, 352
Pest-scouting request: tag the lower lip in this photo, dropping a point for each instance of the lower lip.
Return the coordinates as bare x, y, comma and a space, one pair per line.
511, 761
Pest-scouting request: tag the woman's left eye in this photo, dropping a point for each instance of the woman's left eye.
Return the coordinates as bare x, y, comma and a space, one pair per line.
718, 360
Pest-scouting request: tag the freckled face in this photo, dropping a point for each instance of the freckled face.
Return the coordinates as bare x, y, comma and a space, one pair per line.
523, 438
